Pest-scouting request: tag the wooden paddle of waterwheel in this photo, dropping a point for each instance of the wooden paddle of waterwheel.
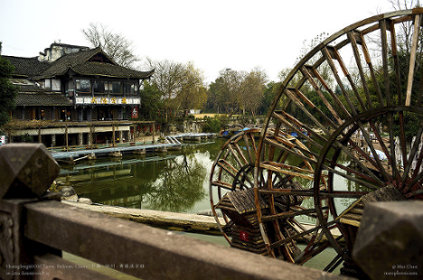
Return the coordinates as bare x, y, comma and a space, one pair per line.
355, 101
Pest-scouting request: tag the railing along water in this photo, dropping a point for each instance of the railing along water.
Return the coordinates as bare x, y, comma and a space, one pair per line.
35, 229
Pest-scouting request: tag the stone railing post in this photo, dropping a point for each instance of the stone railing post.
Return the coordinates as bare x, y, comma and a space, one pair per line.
26, 172
389, 243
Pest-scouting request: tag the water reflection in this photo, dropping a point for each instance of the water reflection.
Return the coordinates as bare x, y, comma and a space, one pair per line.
176, 181
178, 186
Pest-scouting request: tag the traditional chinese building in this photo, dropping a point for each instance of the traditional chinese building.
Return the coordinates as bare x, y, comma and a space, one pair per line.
74, 90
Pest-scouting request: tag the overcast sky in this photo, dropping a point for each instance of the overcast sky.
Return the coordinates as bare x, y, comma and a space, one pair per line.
214, 35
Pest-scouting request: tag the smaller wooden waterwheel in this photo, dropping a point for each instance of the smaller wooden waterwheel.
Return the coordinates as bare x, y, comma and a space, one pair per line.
234, 198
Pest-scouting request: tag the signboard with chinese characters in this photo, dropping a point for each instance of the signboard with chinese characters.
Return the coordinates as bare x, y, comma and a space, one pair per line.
86, 100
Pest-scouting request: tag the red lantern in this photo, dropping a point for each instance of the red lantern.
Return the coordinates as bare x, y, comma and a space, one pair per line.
243, 236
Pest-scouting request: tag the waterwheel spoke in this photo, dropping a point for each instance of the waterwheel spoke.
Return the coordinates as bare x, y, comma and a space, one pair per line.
221, 184
418, 163
290, 214
412, 64
386, 78
368, 60
380, 140
271, 150
334, 263
294, 152
312, 251
412, 155
297, 130
334, 96
344, 69
377, 183
355, 39
248, 147
395, 171
394, 53
296, 236
278, 169
310, 192
376, 162
225, 165
291, 94
241, 154
357, 161
307, 70
253, 143
299, 124
356, 172
316, 108
329, 59
235, 155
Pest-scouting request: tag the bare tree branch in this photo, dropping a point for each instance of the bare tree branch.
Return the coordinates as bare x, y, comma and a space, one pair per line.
113, 44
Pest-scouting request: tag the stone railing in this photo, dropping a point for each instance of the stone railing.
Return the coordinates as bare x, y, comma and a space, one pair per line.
36, 230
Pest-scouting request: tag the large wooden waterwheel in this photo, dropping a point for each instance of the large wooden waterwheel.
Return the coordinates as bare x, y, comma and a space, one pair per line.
355, 101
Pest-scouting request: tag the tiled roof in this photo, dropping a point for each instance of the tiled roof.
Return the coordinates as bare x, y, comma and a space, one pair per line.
109, 70
42, 99
26, 66
80, 63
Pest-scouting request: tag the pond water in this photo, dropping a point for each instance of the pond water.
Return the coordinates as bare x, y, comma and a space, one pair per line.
175, 181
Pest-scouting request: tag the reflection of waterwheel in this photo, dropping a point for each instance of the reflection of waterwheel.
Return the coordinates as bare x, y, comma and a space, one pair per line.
232, 192
358, 98
355, 100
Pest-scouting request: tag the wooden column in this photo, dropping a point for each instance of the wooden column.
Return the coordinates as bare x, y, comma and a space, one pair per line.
91, 136
80, 139
113, 135
53, 140
120, 136
154, 132
67, 137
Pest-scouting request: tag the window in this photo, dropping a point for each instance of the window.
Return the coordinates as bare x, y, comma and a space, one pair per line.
130, 88
116, 87
47, 83
55, 85
99, 86
108, 87
83, 85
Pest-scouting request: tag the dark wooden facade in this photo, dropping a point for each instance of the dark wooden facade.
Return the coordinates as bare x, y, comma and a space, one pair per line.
68, 83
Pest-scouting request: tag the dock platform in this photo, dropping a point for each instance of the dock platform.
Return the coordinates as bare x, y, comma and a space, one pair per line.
171, 142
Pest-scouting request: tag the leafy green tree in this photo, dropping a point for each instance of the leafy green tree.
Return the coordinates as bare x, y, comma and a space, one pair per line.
214, 124
251, 93
224, 92
193, 94
7, 90
236, 91
269, 94
181, 85
151, 102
